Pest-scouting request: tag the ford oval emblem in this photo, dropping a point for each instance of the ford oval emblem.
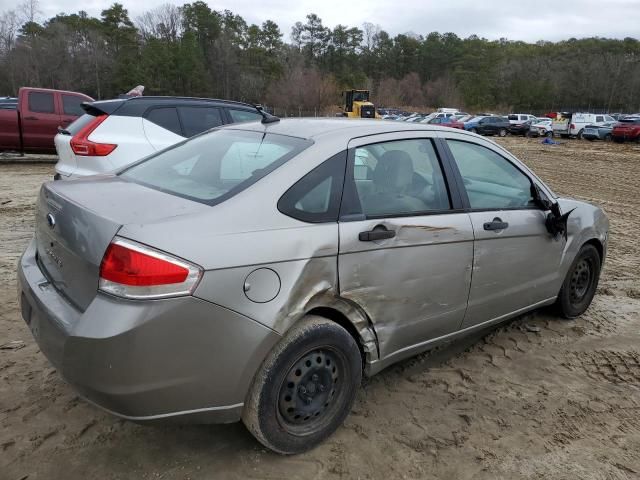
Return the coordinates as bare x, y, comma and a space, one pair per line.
51, 220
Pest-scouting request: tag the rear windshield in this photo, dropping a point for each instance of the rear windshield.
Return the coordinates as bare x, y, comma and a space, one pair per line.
630, 120
214, 166
79, 123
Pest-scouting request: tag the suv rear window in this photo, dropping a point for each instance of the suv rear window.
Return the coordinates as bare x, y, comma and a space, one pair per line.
513, 117
217, 165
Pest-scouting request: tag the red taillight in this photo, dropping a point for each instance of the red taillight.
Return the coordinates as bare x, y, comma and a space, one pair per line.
81, 145
132, 270
130, 267
572, 126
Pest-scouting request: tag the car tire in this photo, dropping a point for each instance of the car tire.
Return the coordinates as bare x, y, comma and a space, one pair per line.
474, 130
580, 284
579, 135
607, 137
502, 132
618, 140
549, 134
305, 387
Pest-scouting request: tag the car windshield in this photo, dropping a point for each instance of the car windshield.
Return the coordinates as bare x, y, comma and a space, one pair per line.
212, 167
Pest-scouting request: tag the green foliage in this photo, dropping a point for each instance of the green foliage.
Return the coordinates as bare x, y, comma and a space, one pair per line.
194, 50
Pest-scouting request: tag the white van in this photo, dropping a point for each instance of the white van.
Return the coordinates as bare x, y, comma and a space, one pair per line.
573, 124
515, 118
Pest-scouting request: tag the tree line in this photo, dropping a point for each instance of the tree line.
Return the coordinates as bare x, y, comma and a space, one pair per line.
194, 50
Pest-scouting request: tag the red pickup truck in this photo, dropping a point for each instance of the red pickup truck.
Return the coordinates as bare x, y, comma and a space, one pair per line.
31, 123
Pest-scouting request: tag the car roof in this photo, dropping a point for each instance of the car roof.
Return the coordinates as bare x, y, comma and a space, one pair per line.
137, 106
314, 128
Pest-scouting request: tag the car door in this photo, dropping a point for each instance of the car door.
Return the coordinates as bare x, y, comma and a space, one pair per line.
41, 120
516, 260
406, 248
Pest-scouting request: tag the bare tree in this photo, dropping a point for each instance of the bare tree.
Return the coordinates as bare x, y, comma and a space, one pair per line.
163, 22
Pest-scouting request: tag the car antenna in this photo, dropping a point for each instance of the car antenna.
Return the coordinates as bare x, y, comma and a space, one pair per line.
266, 117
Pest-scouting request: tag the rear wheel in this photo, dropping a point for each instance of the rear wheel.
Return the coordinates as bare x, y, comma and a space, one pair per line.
549, 134
607, 137
305, 388
502, 132
579, 136
474, 130
581, 282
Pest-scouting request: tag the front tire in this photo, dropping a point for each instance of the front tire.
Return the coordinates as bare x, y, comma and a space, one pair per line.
502, 132
580, 284
474, 130
305, 387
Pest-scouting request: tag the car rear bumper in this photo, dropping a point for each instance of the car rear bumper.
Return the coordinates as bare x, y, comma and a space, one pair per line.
181, 358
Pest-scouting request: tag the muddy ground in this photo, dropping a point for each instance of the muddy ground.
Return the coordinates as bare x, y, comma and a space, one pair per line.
561, 403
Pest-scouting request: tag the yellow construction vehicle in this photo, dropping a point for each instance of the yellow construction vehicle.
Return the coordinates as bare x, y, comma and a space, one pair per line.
357, 104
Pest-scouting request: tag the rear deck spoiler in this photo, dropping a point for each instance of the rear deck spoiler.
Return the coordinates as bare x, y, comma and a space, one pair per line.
102, 107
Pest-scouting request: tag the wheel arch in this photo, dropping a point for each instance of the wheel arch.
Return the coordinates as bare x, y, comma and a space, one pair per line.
352, 319
598, 245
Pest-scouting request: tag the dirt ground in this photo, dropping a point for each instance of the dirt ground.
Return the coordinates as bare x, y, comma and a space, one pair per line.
561, 403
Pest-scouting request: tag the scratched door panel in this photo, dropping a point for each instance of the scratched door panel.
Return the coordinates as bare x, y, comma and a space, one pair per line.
413, 286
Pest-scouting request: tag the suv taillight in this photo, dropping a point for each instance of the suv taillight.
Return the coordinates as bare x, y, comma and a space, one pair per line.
572, 126
81, 145
132, 270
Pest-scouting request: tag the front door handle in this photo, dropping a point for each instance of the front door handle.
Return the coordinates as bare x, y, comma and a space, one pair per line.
496, 224
379, 232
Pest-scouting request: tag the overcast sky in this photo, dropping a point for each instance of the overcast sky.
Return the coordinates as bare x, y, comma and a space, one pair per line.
528, 20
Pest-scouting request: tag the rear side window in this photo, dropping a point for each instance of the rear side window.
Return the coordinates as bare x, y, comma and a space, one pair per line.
71, 105
599, 118
41, 102
513, 117
199, 119
215, 166
238, 116
316, 197
166, 117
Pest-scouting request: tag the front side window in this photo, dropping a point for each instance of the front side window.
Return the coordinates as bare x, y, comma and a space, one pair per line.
316, 197
397, 178
491, 181
72, 105
213, 167
41, 102
599, 118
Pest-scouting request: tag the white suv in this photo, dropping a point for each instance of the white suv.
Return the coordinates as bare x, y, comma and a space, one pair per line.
115, 133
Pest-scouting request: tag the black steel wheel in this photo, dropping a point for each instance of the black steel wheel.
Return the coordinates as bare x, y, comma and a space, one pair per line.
308, 392
305, 387
580, 284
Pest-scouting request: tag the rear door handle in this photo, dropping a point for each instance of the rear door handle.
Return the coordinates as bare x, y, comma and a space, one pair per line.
379, 232
496, 224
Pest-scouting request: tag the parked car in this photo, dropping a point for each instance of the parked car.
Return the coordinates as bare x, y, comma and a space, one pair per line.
8, 103
115, 133
541, 127
30, 124
488, 126
254, 272
627, 129
445, 122
598, 132
520, 118
521, 128
573, 124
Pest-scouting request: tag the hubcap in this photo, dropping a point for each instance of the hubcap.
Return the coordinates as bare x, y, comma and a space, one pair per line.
310, 387
580, 281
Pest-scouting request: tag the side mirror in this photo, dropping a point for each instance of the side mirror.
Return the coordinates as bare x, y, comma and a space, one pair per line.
540, 198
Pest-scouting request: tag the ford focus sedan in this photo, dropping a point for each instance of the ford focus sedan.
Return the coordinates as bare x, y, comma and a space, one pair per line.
258, 271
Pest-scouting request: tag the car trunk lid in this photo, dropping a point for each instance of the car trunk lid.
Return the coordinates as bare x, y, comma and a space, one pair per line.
77, 220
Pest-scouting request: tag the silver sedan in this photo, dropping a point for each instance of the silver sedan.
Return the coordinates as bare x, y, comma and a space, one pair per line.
258, 271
